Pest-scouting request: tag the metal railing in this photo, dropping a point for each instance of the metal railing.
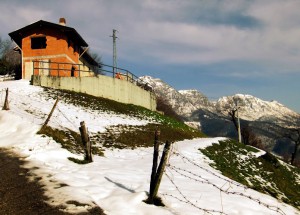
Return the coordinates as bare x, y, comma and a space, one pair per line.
60, 69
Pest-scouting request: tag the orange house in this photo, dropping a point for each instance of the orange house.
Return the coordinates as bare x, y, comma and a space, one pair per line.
54, 50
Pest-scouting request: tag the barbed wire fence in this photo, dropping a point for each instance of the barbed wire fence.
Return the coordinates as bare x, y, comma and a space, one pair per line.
27, 103
27, 106
186, 200
36, 110
199, 179
173, 172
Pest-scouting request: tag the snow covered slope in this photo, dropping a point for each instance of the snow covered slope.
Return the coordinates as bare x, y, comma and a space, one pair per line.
118, 182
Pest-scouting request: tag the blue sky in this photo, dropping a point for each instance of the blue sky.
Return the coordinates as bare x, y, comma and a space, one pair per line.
220, 47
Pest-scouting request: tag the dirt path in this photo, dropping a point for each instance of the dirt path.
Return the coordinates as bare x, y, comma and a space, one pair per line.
18, 195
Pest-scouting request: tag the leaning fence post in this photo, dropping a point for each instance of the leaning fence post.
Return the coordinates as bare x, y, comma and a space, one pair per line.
6, 104
50, 114
154, 165
160, 171
86, 142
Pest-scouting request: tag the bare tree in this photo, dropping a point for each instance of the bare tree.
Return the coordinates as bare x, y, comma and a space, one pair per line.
5, 46
250, 138
236, 121
166, 108
10, 59
97, 58
232, 114
247, 135
294, 136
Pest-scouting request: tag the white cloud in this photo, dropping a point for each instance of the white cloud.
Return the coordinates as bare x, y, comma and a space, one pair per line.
14, 16
181, 32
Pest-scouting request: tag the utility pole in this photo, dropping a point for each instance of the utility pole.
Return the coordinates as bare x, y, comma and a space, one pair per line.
114, 52
239, 125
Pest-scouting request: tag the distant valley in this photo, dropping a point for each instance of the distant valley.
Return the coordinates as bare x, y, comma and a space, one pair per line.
270, 121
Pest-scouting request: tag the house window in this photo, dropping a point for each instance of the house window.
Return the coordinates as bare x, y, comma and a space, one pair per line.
38, 43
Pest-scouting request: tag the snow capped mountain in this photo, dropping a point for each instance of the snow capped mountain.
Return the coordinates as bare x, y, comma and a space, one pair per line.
270, 120
179, 102
186, 102
198, 99
252, 108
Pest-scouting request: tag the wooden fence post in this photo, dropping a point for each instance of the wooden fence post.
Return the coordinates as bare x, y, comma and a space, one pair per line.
6, 104
156, 175
155, 158
86, 142
50, 114
161, 168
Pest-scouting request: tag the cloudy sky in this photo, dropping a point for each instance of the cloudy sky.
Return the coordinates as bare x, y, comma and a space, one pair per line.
220, 47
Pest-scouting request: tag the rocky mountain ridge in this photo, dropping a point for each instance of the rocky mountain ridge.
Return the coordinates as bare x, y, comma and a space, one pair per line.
268, 119
251, 108
179, 102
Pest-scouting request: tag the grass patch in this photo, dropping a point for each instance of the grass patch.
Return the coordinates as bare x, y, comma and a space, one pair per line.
101, 105
78, 161
97, 103
69, 140
142, 136
124, 136
265, 174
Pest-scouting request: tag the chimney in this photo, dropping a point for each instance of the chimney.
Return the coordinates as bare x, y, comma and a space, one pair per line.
62, 21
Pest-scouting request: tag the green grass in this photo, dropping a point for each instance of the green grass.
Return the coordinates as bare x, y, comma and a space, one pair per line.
78, 161
99, 104
265, 174
69, 140
124, 136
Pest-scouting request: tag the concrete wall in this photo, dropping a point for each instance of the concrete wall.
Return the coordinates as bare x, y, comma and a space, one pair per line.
102, 86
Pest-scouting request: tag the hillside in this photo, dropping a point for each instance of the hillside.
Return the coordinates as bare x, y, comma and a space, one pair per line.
269, 120
118, 179
256, 169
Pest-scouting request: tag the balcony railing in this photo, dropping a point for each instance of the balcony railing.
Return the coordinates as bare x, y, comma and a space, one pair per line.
62, 69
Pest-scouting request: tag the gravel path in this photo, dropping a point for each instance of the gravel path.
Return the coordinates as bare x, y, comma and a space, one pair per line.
18, 195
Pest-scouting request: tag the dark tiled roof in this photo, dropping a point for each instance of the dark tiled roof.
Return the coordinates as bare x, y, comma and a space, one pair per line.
18, 35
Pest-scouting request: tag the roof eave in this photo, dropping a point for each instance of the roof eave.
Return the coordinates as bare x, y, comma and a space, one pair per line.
16, 35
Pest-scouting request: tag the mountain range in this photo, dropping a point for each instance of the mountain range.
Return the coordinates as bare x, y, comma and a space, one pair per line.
270, 121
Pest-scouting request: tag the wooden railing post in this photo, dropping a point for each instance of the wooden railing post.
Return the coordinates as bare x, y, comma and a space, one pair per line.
155, 158
161, 169
6, 104
50, 114
86, 142
157, 173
